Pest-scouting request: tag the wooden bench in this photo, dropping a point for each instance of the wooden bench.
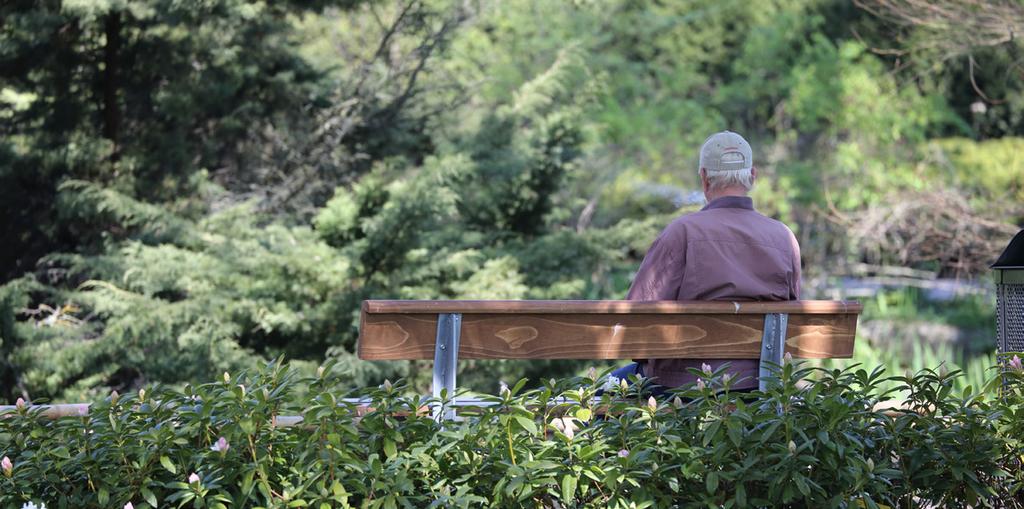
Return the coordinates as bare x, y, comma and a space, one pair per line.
449, 330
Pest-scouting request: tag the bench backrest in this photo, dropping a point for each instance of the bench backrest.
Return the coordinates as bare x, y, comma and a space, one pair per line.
450, 330
401, 330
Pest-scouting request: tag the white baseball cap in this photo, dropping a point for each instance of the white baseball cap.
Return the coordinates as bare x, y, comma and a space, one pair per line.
726, 151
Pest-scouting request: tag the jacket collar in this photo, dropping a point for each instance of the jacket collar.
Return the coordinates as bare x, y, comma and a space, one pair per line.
731, 202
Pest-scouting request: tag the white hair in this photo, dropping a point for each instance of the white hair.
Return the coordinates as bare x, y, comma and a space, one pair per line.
729, 178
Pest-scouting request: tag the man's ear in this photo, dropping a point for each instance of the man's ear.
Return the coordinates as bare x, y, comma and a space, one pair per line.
753, 173
703, 179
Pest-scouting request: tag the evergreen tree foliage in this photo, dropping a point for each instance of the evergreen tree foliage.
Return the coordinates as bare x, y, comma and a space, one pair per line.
173, 299
139, 96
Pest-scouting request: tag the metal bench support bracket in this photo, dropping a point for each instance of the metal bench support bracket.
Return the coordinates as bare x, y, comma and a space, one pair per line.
446, 358
773, 345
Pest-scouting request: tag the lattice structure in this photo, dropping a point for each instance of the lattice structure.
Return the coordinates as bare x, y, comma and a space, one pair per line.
1010, 317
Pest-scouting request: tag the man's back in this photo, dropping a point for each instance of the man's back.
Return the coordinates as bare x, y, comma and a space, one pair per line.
727, 251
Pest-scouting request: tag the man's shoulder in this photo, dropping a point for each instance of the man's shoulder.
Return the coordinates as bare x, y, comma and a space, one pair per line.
713, 221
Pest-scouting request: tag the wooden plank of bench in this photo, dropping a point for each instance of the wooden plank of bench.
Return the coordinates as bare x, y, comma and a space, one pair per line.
396, 330
609, 307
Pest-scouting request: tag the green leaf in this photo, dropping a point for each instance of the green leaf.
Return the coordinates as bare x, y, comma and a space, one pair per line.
390, 450
732, 428
149, 497
568, 488
584, 414
711, 482
710, 432
527, 424
166, 462
801, 484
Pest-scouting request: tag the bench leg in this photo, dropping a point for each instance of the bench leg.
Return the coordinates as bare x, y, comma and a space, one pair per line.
773, 344
446, 358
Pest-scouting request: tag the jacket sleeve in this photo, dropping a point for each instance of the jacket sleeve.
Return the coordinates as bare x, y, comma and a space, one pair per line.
661, 273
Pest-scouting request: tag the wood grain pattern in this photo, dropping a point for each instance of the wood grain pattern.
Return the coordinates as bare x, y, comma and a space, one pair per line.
608, 307
614, 335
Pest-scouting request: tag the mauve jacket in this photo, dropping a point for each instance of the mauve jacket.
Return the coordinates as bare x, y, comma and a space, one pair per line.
726, 251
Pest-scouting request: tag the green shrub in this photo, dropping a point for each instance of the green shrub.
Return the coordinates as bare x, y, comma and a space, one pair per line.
813, 440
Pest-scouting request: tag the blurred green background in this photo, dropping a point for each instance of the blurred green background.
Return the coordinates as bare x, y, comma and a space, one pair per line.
194, 186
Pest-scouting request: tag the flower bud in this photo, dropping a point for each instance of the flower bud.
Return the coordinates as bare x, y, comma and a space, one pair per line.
20, 403
623, 453
142, 394
871, 465
565, 425
652, 403
622, 384
592, 373
792, 447
129, 506
1015, 363
114, 396
503, 389
701, 385
193, 478
221, 445
7, 466
726, 377
387, 385
676, 402
706, 368
227, 377
788, 358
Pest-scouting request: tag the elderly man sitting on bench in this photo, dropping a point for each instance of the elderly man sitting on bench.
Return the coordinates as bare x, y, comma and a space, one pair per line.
726, 252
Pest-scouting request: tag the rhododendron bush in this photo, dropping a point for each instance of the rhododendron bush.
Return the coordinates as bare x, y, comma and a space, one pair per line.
814, 439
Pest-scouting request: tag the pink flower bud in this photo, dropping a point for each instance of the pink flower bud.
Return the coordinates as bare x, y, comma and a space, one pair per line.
700, 385
706, 368
503, 389
221, 445
788, 358
129, 506
1015, 363
652, 403
623, 453
193, 478
387, 385
7, 466
20, 403
726, 377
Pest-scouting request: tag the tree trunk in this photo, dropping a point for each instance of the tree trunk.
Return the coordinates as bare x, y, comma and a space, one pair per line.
111, 84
